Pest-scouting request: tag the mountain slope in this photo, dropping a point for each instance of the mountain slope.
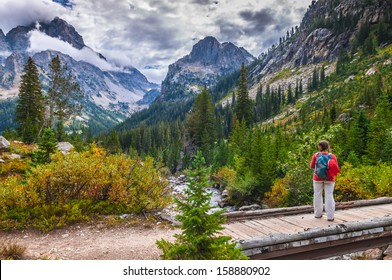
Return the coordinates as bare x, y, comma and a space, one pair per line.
327, 28
207, 61
113, 89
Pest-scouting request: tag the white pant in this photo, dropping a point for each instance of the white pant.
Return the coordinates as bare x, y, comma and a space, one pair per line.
328, 187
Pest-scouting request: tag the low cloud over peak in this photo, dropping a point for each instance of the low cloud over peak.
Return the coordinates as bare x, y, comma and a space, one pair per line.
159, 32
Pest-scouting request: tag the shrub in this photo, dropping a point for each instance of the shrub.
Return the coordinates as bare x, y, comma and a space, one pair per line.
11, 193
12, 167
12, 251
224, 176
73, 187
278, 195
290, 191
92, 175
243, 189
363, 182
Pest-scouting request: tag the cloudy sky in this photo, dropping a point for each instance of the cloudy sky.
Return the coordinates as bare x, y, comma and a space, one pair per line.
151, 33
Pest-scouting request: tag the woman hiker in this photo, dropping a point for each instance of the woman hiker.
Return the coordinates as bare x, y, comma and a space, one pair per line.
325, 167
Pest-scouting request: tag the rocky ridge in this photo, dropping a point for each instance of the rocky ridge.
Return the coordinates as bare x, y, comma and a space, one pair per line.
327, 28
207, 61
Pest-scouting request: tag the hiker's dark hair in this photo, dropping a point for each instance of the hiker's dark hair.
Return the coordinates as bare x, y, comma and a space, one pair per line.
324, 145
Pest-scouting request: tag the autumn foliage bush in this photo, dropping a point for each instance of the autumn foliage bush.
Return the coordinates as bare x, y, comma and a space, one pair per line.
73, 187
363, 182
353, 183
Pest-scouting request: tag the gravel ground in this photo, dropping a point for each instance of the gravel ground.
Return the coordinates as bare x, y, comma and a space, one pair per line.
104, 240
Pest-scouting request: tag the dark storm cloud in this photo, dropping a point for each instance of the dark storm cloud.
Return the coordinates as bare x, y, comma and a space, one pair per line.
260, 19
229, 30
144, 32
205, 2
266, 19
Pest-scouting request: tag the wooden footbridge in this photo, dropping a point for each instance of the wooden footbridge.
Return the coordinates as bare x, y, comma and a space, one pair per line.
294, 233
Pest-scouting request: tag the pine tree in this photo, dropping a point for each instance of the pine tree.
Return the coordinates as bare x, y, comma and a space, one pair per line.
343, 58
296, 94
199, 239
322, 75
301, 90
243, 107
378, 130
290, 98
259, 103
201, 123
64, 96
358, 133
47, 145
315, 79
113, 143
29, 112
268, 102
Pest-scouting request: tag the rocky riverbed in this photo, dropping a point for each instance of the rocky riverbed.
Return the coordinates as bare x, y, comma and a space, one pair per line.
179, 185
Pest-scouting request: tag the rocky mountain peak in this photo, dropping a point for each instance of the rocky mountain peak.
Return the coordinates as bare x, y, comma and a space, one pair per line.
59, 28
18, 38
205, 52
207, 61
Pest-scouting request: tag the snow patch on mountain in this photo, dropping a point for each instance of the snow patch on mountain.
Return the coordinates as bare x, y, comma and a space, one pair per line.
122, 94
8, 93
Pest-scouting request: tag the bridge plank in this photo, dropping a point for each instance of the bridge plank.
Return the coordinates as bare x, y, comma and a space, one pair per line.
360, 214
261, 229
297, 226
306, 221
253, 229
278, 227
234, 234
227, 232
385, 207
285, 226
347, 216
238, 230
377, 212
295, 223
270, 229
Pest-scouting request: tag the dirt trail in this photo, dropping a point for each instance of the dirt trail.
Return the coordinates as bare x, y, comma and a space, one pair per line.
94, 242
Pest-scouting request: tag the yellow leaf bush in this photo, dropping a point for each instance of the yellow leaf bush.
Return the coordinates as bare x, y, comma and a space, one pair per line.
278, 195
73, 186
363, 182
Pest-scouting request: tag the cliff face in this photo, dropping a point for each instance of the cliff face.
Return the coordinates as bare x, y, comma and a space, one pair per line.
208, 60
327, 27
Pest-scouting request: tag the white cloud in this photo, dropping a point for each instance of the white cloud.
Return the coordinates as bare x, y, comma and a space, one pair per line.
159, 32
24, 12
40, 42
155, 75
5, 53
